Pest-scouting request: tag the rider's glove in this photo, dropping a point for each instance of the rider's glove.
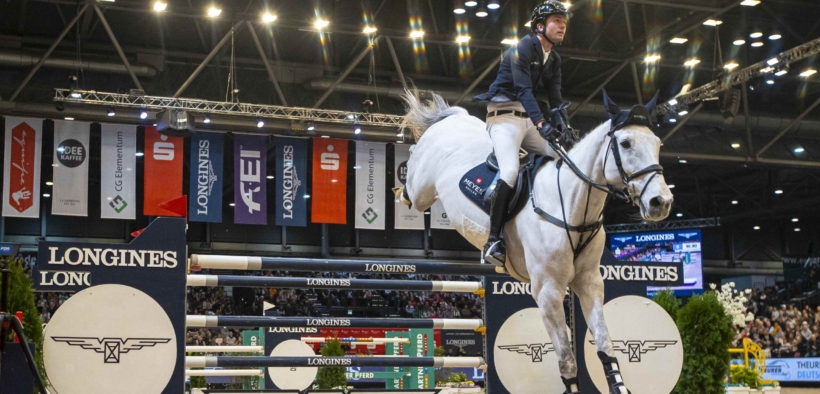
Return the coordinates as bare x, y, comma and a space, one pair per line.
548, 132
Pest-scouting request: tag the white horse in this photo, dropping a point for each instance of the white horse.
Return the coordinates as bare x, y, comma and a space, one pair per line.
450, 142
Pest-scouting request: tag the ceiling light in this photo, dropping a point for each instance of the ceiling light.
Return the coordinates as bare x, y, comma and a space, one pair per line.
770, 81
734, 202
713, 22
471, 3
673, 120
795, 220
416, 34
682, 161
672, 186
739, 42
143, 114
766, 70
778, 191
111, 111
528, 24
799, 149
773, 61
808, 72
493, 5
691, 62
683, 113
206, 119
232, 204
796, 229
214, 12
369, 29
357, 128
757, 44
781, 72
160, 6
756, 227
325, 136
311, 126
260, 123
462, 39
140, 154
49, 183
510, 41
678, 40
756, 34
46, 195
481, 13
652, 58
76, 95
268, 17
679, 215
731, 66
735, 145
673, 102
320, 24
567, 5
307, 195
459, 10
68, 118
750, 3
269, 177
775, 37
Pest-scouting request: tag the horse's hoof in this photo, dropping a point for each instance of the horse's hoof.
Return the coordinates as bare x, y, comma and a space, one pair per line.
571, 385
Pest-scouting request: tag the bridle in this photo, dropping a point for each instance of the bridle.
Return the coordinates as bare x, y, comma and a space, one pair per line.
624, 193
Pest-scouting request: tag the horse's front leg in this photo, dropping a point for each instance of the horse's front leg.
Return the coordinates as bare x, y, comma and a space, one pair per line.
589, 286
548, 289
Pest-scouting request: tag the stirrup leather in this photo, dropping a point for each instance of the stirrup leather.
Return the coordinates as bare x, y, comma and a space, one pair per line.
613, 374
571, 385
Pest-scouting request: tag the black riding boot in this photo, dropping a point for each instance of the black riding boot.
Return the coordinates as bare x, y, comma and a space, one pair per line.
613, 374
571, 385
494, 250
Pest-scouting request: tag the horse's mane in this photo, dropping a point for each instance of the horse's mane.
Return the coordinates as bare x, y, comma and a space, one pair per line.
594, 137
423, 114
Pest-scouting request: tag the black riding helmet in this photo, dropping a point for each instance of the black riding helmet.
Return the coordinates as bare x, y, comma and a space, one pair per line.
544, 11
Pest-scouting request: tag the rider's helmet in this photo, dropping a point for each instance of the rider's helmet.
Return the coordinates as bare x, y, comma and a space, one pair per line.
545, 9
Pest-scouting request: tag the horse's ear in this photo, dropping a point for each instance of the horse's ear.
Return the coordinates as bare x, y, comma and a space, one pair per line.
651, 104
611, 108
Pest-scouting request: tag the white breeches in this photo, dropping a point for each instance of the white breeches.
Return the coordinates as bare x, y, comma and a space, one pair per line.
509, 133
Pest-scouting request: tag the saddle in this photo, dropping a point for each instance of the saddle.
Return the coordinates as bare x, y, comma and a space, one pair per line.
479, 183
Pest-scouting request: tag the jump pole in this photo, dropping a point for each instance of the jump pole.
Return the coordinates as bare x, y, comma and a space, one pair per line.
224, 349
224, 372
333, 283
197, 321
253, 263
446, 362
356, 340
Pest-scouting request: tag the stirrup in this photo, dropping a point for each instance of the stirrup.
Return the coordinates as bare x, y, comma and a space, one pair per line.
613, 374
571, 385
495, 253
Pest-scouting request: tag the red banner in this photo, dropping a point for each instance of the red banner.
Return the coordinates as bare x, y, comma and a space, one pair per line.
329, 181
163, 171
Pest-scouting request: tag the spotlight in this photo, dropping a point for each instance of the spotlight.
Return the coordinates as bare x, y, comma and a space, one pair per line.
357, 128
756, 34
770, 82
673, 102
416, 34
795, 220
713, 22
111, 111
143, 114
268, 17
160, 6
679, 215
678, 40
691, 62
683, 113
773, 61
493, 5
673, 120
482, 12
739, 41
731, 66
320, 24
68, 118
139, 154
808, 73
76, 95
49, 183
510, 41
756, 227
796, 229
735, 145
463, 39
260, 123
46, 195
799, 149
671, 186
459, 10
206, 119
757, 44
750, 3
682, 161
734, 202
778, 191
214, 12
269, 177
471, 3
369, 30
232, 204
775, 37
311, 126
782, 70
652, 58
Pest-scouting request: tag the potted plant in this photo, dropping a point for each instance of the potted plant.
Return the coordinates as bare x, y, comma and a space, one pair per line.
745, 377
21, 298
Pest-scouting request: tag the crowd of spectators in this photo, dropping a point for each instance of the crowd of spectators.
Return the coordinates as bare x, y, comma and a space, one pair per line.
782, 330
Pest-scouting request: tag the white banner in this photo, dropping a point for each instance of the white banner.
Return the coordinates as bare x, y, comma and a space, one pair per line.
71, 156
21, 167
406, 218
439, 218
118, 171
371, 159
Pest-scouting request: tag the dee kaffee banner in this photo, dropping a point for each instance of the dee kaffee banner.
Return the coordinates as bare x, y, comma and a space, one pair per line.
406, 218
205, 195
250, 154
118, 171
329, 181
291, 188
70, 190
21, 167
163, 171
371, 159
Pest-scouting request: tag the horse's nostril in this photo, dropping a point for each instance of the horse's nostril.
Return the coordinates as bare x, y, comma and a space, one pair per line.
656, 202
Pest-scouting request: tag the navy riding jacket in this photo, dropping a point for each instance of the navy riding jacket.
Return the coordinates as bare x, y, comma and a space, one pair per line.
523, 75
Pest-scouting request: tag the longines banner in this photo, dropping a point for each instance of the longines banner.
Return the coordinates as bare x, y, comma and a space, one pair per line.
371, 158
163, 171
21, 167
70, 191
118, 171
406, 218
291, 188
132, 300
468, 340
250, 153
439, 218
329, 199
205, 194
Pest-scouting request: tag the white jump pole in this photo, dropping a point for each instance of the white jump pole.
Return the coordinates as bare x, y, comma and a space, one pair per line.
224, 372
224, 349
356, 340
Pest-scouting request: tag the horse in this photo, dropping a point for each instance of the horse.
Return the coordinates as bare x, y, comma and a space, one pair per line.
618, 157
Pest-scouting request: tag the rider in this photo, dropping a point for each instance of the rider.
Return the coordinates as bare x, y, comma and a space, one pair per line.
514, 118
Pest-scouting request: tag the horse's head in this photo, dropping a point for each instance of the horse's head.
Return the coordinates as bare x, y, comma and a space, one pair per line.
632, 159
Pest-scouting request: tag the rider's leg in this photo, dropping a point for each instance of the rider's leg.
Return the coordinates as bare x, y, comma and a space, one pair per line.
534, 143
506, 132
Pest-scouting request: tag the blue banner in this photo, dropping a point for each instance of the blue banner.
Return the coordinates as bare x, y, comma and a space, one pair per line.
205, 201
291, 171
250, 153
793, 369
682, 238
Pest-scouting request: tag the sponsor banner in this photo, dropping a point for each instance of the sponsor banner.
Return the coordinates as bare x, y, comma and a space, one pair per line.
371, 158
791, 369
685, 240
69, 195
438, 217
291, 188
422, 344
163, 171
378, 374
21, 167
118, 171
406, 218
799, 267
462, 343
205, 193
329, 199
250, 153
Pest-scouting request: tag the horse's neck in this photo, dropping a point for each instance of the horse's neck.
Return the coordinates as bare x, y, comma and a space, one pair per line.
588, 156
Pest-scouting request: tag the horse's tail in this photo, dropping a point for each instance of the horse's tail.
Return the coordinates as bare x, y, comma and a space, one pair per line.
423, 114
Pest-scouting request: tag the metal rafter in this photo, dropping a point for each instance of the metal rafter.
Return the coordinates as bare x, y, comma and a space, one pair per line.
117, 47
227, 108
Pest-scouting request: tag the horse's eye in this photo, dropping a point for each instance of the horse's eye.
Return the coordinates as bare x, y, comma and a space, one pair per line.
625, 144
